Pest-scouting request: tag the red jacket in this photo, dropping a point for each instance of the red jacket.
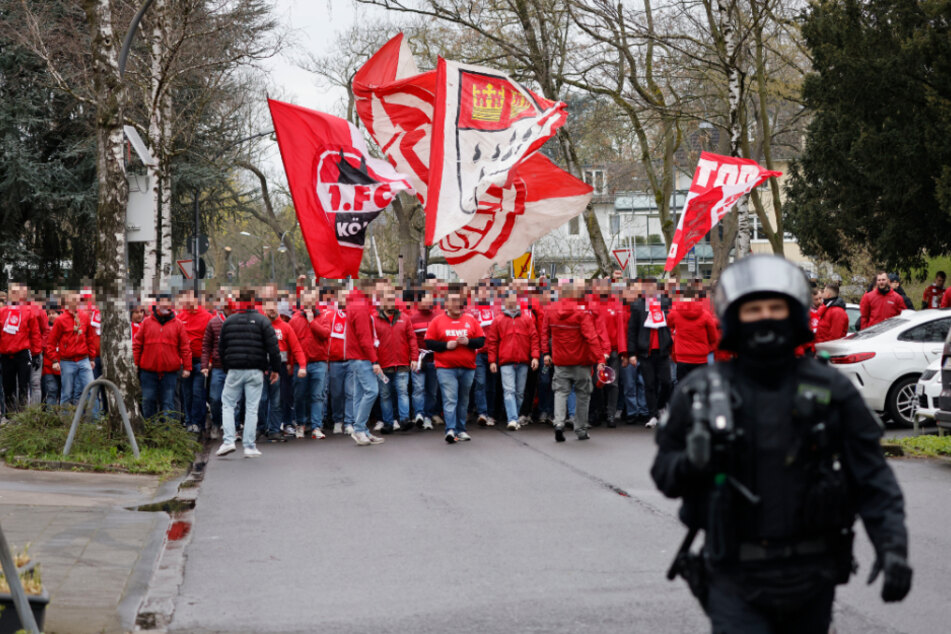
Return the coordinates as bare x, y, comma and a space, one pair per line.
161, 347
18, 329
398, 345
95, 319
611, 313
291, 350
570, 329
485, 314
314, 350
593, 306
360, 344
195, 323
419, 319
946, 298
512, 339
43, 323
335, 321
833, 321
66, 343
877, 307
932, 297
694, 331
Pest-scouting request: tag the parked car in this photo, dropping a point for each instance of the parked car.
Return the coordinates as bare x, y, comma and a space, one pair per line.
855, 315
928, 390
886, 361
943, 414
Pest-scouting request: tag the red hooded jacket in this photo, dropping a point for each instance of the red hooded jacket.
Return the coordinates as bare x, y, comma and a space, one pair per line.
694, 332
573, 336
66, 342
398, 345
195, 323
19, 329
291, 350
360, 344
833, 321
161, 347
513, 339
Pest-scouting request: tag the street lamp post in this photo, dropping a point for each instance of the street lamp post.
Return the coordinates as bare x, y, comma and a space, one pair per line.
266, 248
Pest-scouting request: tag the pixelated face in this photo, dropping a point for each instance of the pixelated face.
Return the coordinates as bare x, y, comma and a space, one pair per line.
72, 301
270, 309
388, 299
16, 293
454, 304
164, 305
511, 302
774, 308
426, 301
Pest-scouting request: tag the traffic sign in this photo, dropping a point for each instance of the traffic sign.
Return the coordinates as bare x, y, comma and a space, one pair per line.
622, 256
188, 270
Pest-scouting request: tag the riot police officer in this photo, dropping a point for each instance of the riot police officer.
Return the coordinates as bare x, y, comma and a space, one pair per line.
774, 455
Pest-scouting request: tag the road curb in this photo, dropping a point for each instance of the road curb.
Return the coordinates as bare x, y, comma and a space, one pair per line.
155, 612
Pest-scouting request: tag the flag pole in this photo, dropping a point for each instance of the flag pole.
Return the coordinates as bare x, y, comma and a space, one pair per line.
531, 263
376, 252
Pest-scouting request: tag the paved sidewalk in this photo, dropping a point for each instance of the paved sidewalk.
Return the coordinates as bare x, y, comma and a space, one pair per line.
95, 556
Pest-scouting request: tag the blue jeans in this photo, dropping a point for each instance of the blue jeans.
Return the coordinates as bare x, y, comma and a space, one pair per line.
455, 384
193, 396
484, 386
50, 389
513, 388
341, 392
238, 382
425, 385
158, 393
365, 390
74, 376
310, 395
634, 395
214, 394
271, 407
396, 390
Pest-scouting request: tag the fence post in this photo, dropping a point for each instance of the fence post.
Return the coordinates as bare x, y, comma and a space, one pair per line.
81, 406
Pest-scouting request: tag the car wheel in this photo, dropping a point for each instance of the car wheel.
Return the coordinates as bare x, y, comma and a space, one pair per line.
902, 401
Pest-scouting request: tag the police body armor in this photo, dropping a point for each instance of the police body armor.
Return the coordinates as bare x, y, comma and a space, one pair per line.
747, 522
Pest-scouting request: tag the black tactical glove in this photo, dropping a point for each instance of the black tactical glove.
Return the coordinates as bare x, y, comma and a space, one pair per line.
897, 576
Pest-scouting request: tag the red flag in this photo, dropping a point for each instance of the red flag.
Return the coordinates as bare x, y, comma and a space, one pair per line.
719, 182
338, 189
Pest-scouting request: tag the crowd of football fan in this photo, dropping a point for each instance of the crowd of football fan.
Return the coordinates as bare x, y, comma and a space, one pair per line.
370, 356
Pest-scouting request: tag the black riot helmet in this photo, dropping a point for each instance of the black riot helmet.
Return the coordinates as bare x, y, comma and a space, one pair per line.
760, 277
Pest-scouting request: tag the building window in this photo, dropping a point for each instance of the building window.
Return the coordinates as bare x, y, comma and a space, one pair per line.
574, 226
615, 224
596, 179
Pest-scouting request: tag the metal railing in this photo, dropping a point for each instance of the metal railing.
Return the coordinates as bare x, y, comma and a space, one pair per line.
81, 407
24, 611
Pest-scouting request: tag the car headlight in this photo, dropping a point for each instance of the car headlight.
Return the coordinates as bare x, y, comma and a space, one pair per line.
927, 375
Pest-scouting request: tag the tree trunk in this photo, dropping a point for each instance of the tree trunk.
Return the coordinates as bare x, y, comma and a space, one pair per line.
601, 254
157, 50
409, 244
728, 17
116, 345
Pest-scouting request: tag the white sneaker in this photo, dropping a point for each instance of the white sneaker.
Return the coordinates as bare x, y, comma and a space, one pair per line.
513, 425
338, 428
428, 424
437, 420
396, 425
483, 420
375, 440
490, 422
317, 434
361, 439
524, 420
652, 423
348, 430
378, 426
251, 452
450, 437
225, 449
419, 420
463, 436
299, 431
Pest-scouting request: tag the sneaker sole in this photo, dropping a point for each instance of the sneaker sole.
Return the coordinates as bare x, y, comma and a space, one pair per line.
223, 454
253, 455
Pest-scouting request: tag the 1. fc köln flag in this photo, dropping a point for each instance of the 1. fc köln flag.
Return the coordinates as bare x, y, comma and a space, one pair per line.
338, 189
719, 182
484, 124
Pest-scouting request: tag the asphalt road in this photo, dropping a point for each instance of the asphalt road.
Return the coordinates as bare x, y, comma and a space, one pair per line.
508, 533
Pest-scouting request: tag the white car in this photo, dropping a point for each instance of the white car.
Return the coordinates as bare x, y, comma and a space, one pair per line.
885, 361
927, 390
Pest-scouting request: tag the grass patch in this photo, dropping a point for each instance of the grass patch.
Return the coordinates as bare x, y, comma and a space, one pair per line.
933, 446
35, 438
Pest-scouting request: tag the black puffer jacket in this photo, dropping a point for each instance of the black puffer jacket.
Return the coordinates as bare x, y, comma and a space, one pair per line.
248, 342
